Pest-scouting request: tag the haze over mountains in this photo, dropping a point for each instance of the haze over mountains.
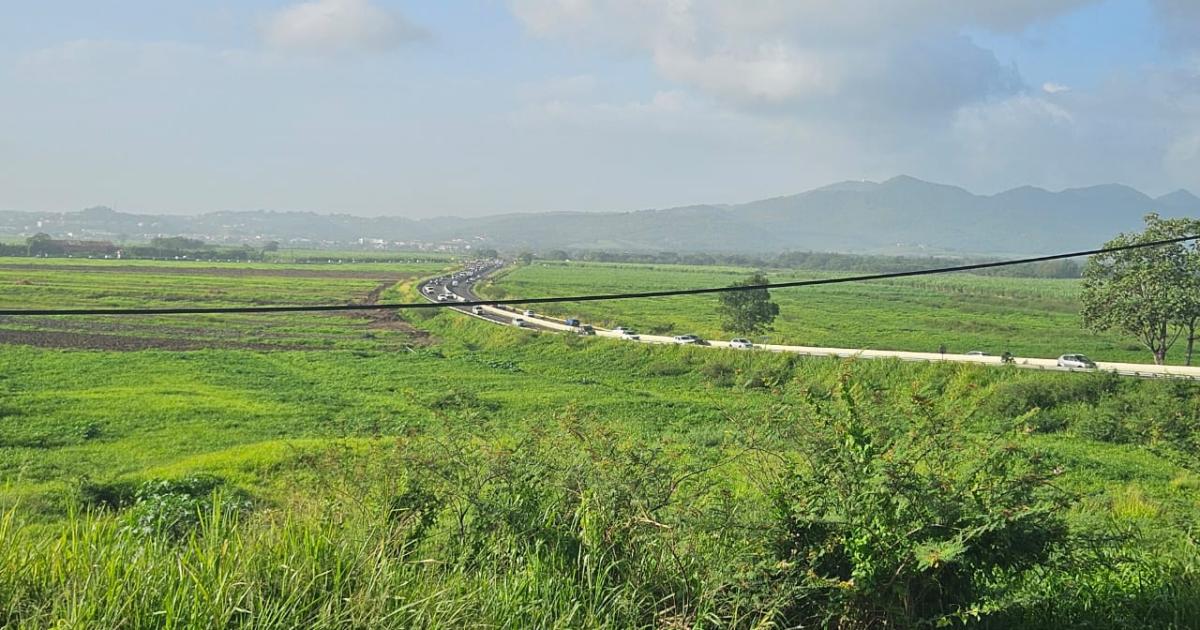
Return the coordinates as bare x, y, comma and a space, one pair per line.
900, 215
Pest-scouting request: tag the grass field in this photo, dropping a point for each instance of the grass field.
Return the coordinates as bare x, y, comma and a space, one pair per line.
1028, 317
367, 471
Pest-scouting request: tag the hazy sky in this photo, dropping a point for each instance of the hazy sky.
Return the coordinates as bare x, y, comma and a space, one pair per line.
428, 107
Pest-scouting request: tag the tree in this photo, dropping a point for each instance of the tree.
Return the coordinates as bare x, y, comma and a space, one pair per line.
39, 244
1190, 318
1149, 293
748, 311
525, 258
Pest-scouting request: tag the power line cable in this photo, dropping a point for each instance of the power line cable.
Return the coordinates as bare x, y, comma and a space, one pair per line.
202, 310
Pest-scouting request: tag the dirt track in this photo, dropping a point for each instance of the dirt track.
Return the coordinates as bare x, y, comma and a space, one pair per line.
226, 272
122, 343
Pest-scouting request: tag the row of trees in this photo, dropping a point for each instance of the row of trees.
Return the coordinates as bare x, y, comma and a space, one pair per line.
1150, 293
815, 261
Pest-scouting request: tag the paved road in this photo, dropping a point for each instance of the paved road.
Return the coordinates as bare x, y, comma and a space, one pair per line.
504, 316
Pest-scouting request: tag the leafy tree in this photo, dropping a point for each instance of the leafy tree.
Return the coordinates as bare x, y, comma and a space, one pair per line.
748, 311
525, 258
1190, 317
177, 243
1149, 293
39, 244
271, 246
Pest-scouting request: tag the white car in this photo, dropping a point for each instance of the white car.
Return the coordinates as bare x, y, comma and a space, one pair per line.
687, 339
530, 314
478, 310
620, 330
978, 353
1078, 361
630, 334
520, 323
741, 344
441, 298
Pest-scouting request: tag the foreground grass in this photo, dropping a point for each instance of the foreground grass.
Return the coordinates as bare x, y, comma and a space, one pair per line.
491, 477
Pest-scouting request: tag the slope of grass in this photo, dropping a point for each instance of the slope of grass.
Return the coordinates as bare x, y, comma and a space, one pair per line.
1029, 317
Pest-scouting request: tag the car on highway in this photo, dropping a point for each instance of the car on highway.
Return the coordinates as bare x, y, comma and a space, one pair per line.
520, 323
977, 353
441, 298
529, 313
585, 329
478, 310
1077, 361
620, 329
689, 340
741, 344
630, 334
571, 322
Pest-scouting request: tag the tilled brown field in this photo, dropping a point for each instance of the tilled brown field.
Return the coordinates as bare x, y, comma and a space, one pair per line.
360, 330
68, 340
224, 272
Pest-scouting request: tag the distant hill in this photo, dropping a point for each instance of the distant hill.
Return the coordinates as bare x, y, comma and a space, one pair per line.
902, 215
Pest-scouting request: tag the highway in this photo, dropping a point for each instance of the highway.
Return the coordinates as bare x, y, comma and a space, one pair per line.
505, 316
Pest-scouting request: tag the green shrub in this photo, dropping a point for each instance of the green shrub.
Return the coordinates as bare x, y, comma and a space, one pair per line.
173, 508
666, 368
895, 519
719, 374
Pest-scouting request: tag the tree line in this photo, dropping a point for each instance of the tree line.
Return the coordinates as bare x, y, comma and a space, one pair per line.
813, 261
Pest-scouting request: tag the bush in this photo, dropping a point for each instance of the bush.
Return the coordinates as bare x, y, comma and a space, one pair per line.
462, 400
173, 508
666, 368
1014, 398
719, 374
889, 520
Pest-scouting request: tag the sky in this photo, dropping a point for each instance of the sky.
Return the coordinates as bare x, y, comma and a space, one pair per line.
473, 107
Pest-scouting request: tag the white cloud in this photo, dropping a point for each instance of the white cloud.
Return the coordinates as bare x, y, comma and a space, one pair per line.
847, 57
1051, 87
338, 25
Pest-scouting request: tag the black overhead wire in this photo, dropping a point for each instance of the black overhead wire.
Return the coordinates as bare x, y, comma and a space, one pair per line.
202, 310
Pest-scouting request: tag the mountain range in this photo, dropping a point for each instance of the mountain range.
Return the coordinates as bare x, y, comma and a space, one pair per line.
898, 216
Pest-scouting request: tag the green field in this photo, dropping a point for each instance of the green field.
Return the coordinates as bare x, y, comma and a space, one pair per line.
1028, 317
328, 470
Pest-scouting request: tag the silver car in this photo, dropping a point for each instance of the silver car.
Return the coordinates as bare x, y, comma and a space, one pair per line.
1077, 361
741, 344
